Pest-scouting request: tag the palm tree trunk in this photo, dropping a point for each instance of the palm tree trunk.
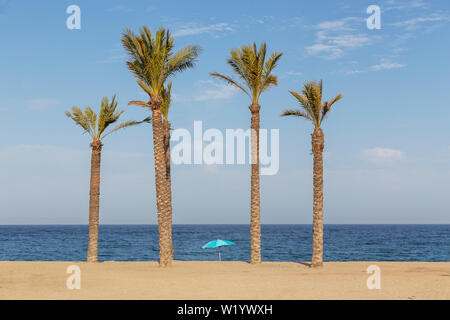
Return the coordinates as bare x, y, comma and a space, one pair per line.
166, 126
317, 148
94, 201
255, 205
162, 200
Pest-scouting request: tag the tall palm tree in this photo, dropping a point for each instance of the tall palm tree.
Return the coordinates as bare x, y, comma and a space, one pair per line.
96, 125
152, 61
249, 63
165, 106
315, 110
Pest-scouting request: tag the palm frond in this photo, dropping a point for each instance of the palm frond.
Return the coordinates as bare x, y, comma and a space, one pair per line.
184, 58
229, 81
82, 120
311, 91
238, 63
139, 104
126, 124
91, 116
327, 105
268, 82
253, 68
152, 59
335, 99
304, 103
108, 114
296, 113
96, 125
145, 87
272, 62
311, 101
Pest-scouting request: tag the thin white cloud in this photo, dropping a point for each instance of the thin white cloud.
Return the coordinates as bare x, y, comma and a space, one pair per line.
336, 25
114, 59
419, 22
120, 8
426, 21
294, 22
331, 52
216, 91
383, 155
399, 5
398, 50
207, 90
261, 20
193, 29
334, 38
356, 71
386, 65
115, 54
350, 41
40, 104
294, 73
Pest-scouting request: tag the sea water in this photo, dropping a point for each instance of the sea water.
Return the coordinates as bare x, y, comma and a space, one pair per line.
278, 243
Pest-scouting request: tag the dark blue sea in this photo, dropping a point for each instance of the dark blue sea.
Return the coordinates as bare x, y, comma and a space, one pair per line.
279, 242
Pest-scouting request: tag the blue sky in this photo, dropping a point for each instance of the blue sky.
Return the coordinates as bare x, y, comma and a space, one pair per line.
387, 154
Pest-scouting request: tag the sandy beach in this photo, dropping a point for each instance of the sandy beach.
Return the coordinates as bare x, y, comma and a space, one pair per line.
224, 280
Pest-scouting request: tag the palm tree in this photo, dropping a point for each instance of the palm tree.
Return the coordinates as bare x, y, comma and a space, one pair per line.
254, 72
315, 110
152, 61
96, 125
165, 106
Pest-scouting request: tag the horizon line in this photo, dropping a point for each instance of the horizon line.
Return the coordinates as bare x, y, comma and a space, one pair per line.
214, 224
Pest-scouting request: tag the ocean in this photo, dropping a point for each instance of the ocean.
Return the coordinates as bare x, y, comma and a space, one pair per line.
279, 242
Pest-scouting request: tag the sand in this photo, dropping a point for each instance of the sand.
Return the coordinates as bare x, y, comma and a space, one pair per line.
224, 280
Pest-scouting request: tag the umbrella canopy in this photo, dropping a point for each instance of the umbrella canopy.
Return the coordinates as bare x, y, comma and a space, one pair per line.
218, 243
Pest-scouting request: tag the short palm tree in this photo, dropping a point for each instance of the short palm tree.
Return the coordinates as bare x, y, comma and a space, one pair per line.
254, 71
96, 125
152, 61
315, 110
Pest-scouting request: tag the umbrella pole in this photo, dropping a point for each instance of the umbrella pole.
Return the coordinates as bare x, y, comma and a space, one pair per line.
220, 258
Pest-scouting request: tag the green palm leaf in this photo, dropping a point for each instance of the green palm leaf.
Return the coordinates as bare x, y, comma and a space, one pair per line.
254, 71
312, 107
152, 59
82, 120
126, 124
139, 104
297, 113
230, 81
95, 124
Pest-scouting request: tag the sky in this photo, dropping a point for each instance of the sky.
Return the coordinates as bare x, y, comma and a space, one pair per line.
387, 142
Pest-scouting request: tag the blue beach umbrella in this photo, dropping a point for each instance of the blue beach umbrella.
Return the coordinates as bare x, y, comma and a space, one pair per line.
217, 244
